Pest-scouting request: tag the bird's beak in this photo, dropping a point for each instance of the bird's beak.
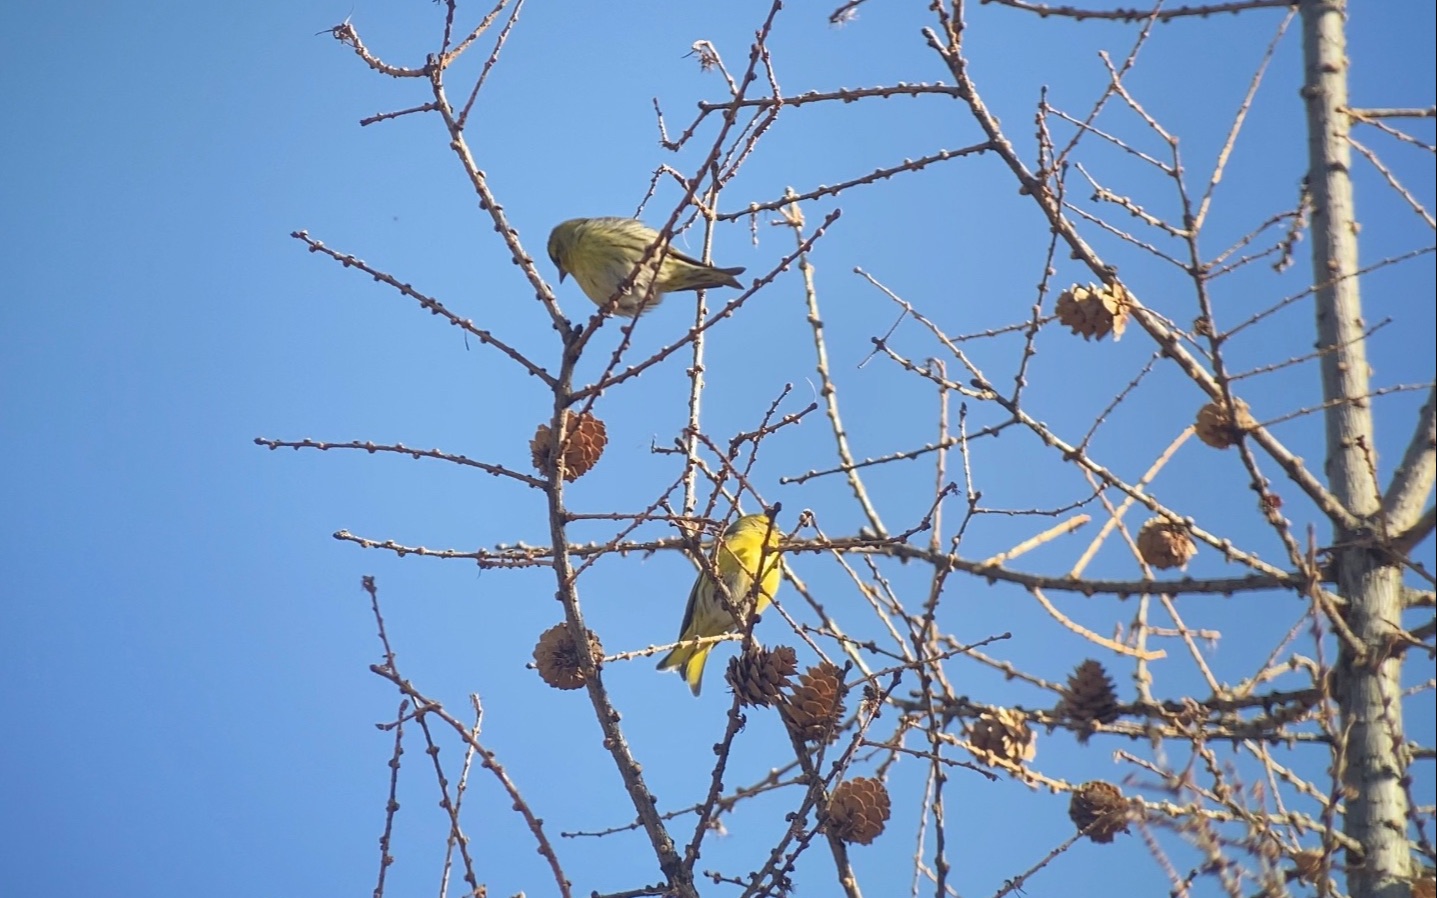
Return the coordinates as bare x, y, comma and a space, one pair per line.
562, 274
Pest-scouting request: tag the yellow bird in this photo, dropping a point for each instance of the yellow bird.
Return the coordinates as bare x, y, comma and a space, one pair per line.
751, 541
601, 254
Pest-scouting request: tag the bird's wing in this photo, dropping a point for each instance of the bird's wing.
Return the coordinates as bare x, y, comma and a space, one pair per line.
689, 609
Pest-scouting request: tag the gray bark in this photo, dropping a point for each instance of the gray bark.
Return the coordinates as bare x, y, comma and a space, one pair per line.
1367, 686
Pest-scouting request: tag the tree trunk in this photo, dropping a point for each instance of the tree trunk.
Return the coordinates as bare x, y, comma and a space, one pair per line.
1368, 687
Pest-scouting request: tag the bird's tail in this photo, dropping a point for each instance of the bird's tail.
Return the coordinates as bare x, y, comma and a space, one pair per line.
730, 277
694, 275
689, 661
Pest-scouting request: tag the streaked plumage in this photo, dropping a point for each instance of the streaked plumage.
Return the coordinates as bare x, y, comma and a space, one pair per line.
749, 542
601, 254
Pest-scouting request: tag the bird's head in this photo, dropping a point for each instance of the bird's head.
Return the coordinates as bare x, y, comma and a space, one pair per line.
561, 244
761, 525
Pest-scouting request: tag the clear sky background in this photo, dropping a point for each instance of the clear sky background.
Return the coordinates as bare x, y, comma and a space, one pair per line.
186, 644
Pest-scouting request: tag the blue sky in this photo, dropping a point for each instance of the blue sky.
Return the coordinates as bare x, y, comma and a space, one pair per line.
188, 645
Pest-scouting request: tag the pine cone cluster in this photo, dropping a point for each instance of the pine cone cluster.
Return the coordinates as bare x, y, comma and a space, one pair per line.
813, 708
1219, 429
1090, 698
557, 657
1165, 544
1095, 310
858, 810
760, 675
1101, 806
1002, 735
584, 439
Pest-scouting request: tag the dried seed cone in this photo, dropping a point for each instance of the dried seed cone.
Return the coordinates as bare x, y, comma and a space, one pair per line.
1002, 735
1090, 698
1099, 805
584, 441
858, 810
1165, 544
1308, 864
760, 675
1424, 885
557, 657
1095, 310
814, 706
1217, 428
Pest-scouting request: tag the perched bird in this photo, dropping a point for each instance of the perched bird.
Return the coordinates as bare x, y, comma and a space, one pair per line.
751, 540
601, 254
